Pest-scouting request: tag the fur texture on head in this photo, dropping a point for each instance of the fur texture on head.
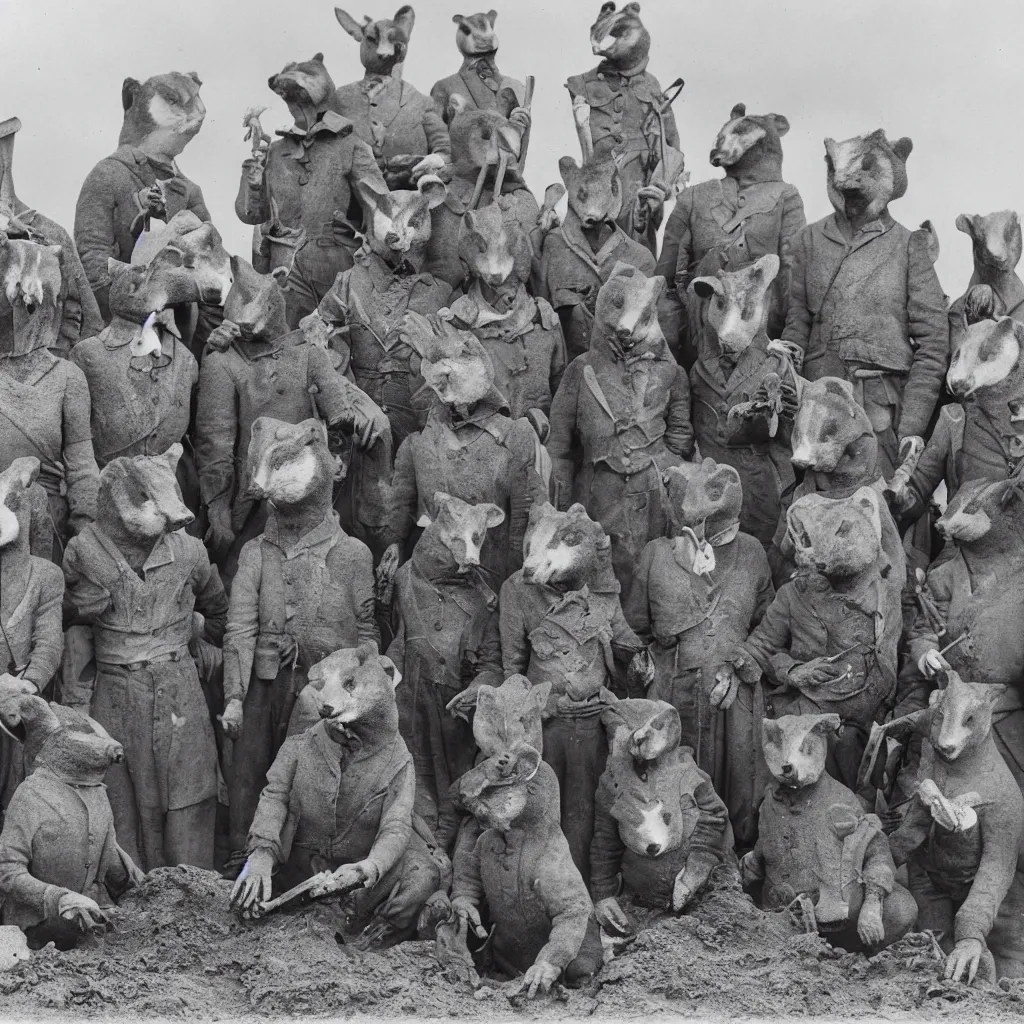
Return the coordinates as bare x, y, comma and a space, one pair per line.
139, 496
738, 302
493, 246
831, 431
475, 35
510, 790
564, 549
837, 537
704, 496
986, 356
626, 312
996, 238
510, 716
795, 747
619, 37
256, 304
594, 190
290, 464
461, 528
453, 363
307, 88
383, 44
866, 173
747, 139
400, 222
961, 715
165, 112
16, 504
480, 137
985, 515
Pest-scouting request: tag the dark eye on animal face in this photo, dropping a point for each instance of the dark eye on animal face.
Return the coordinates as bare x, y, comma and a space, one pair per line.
968, 719
349, 685
869, 161
829, 431
666, 817
844, 530
464, 30
617, 302
581, 194
477, 536
572, 538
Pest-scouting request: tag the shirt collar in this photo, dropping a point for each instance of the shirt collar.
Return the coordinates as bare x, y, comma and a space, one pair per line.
327, 529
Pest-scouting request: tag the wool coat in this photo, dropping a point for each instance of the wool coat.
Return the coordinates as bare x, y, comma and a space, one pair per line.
469, 83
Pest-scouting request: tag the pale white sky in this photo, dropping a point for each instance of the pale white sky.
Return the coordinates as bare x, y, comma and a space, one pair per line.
948, 73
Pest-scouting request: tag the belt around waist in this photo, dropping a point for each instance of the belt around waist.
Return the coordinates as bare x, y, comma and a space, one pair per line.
136, 666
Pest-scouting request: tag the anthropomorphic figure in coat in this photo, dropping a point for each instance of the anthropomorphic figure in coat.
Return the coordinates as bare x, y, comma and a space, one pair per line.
401, 125
140, 181
562, 623
521, 334
79, 313
485, 167
469, 448
581, 253
995, 289
304, 588
309, 188
620, 418
262, 368
962, 835
44, 400
339, 803
446, 642
739, 369
974, 595
835, 447
865, 304
622, 100
365, 311
661, 828
60, 863
981, 436
695, 594
816, 846
136, 578
478, 84
31, 592
520, 876
828, 641
728, 223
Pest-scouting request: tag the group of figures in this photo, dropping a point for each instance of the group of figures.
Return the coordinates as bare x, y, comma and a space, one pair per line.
483, 568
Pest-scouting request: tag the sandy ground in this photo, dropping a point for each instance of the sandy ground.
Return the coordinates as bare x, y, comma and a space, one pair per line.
176, 951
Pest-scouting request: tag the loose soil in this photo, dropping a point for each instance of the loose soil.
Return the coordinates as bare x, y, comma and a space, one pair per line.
177, 951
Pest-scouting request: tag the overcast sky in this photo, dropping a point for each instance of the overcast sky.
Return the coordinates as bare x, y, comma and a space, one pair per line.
948, 73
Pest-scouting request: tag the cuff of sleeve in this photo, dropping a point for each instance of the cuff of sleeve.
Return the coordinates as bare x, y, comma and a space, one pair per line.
875, 887
781, 665
51, 901
967, 927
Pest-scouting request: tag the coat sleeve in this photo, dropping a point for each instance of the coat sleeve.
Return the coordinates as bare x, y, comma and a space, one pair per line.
436, 131
678, 428
768, 645
47, 633
564, 407
765, 589
682, 275
636, 607
707, 843
395, 829
569, 909
625, 643
268, 823
675, 227
931, 470
243, 622
793, 222
515, 645
81, 474
85, 600
211, 600
606, 848
365, 176
526, 487
252, 204
216, 432
929, 330
878, 869
466, 881
404, 494
798, 316
363, 600
21, 822
95, 233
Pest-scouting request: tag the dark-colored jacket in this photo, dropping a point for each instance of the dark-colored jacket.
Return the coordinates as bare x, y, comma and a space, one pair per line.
469, 84
871, 301
107, 208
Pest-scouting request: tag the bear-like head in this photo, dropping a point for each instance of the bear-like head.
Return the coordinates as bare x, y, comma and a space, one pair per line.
748, 139
510, 716
255, 303
481, 138
564, 549
837, 537
626, 312
493, 246
513, 789
139, 495
619, 37
985, 515
795, 747
453, 363
382, 44
475, 35
165, 112
738, 302
986, 357
866, 173
705, 497
290, 464
594, 190
996, 238
832, 433
306, 87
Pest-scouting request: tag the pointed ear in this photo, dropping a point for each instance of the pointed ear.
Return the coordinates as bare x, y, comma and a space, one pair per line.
25, 470
567, 167
195, 77
766, 269
705, 287
903, 148
492, 17
391, 669
965, 223
172, 455
405, 18
994, 692
827, 724
740, 110
349, 24
129, 90
781, 124
434, 189
493, 516
933, 239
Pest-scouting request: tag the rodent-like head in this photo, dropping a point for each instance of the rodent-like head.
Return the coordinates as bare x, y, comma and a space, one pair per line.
510, 715
738, 302
594, 190
141, 493
743, 133
498, 792
961, 714
493, 245
354, 692
306, 87
480, 137
400, 222
985, 509
290, 464
627, 311
563, 549
828, 422
643, 729
996, 238
165, 112
706, 497
462, 528
866, 173
984, 355
256, 303
837, 537
16, 504
30, 273
619, 37
453, 363
795, 747
382, 44
475, 35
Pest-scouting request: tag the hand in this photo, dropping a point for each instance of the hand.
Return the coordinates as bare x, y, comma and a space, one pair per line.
222, 337
790, 400
900, 497
252, 889
539, 977
151, 200
750, 868
252, 168
467, 911
869, 920
82, 911
231, 719
219, 534
814, 673
931, 663
520, 119
911, 443
548, 220
641, 671
612, 918
980, 304
540, 423
681, 894
430, 164
386, 573
370, 423
348, 876
463, 703
965, 958
727, 685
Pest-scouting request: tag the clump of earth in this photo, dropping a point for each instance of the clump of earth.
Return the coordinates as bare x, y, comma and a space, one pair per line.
175, 949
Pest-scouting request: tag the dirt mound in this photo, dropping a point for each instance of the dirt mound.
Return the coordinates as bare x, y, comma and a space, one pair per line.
176, 951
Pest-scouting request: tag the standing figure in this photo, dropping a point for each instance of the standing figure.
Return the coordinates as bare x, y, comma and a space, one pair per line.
629, 117
80, 315
136, 578
309, 188
562, 623
728, 223
44, 401
400, 124
580, 254
626, 404
446, 646
304, 588
478, 83
865, 304
469, 448
140, 180
695, 594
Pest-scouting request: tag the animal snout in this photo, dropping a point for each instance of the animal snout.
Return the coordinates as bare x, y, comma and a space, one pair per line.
787, 769
116, 753
716, 158
179, 519
653, 849
947, 751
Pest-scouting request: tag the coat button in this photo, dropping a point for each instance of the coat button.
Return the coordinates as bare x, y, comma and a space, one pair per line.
438, 626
